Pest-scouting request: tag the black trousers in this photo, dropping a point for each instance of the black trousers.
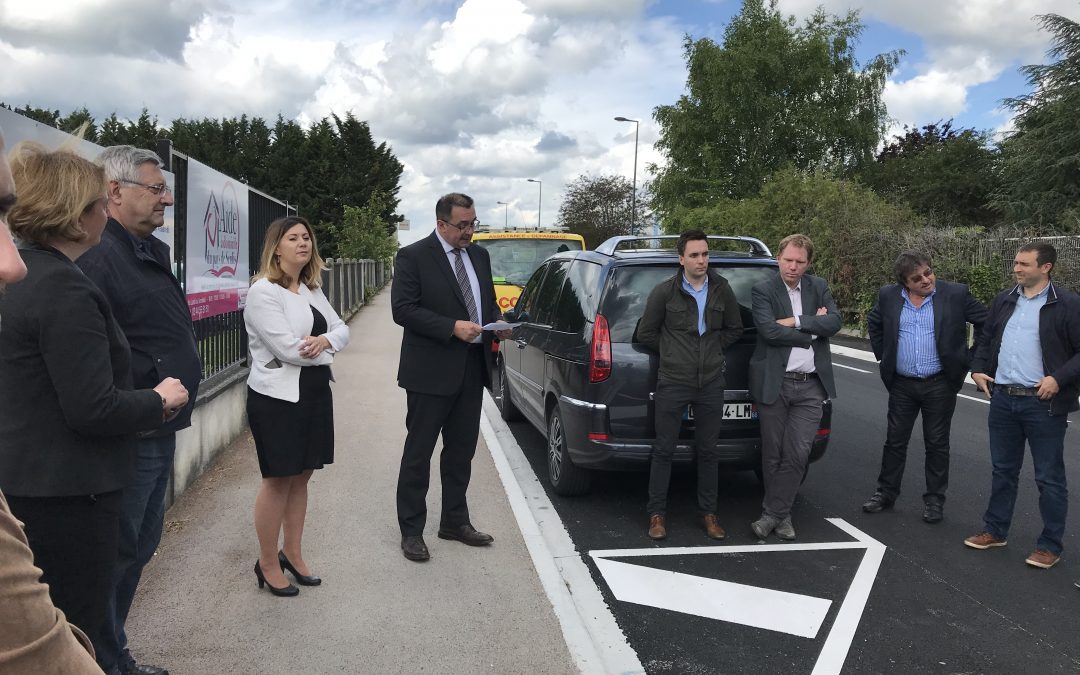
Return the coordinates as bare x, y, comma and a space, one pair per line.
670, 402
75, 541
908, 397
457, 417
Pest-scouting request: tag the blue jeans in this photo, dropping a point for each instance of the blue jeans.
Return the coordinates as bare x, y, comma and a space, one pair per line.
1013, 420
141, 516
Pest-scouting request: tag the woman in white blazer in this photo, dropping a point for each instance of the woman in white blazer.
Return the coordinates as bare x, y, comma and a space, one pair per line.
293, 334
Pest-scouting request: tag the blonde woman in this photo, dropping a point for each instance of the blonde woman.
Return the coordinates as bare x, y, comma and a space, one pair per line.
293, 334
68, 410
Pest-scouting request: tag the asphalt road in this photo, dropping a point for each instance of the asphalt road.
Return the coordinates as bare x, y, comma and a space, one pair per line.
935, 606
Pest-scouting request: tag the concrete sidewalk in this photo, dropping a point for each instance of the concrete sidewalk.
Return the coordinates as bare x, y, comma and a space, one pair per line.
467, 610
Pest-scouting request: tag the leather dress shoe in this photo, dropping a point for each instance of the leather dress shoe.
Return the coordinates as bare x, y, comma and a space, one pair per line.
414, 548
932, 513
712, 526
466, 534
302, 579
657, 527
877, 503
136, 669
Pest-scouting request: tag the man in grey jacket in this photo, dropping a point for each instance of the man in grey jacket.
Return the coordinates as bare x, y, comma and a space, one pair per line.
790, 376
690, 319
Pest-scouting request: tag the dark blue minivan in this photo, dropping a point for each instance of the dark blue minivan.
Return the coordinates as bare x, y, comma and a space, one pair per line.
575, 370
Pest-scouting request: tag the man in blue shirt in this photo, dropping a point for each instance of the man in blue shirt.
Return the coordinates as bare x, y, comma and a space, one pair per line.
690, 319
918, 330
1029, 366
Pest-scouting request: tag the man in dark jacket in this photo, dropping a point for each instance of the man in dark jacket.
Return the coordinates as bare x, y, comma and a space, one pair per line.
918, 329
132, 268
690, 319
1029, 366
790, 376
442, 296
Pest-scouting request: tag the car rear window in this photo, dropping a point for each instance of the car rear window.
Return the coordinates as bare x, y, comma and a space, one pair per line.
514, 260
630, 285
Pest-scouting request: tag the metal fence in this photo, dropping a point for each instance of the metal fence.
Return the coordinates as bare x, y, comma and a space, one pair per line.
349, 283
1001, 250
222, 339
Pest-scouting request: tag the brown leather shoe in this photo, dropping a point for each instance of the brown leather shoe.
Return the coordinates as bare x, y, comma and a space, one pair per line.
984, 540
657, 527
712, 526
1042, 558
466, 534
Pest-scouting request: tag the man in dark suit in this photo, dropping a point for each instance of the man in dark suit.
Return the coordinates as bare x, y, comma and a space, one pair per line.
790, 376
918, 330
442, 295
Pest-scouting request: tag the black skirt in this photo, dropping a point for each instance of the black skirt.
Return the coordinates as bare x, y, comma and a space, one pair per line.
291, 438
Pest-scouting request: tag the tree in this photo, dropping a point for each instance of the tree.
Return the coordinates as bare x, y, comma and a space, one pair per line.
1041, 159
322, 170
75, 121
46, 117
773, 94
944, 174
363, 231
598, 207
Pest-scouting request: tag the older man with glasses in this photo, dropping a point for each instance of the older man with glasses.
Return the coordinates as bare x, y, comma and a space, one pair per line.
134, 271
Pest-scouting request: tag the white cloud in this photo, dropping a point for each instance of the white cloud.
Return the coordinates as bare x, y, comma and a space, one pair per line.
132, 28
967, 43
472, 95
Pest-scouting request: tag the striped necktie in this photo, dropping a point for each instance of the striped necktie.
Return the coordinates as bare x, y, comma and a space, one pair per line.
466, 287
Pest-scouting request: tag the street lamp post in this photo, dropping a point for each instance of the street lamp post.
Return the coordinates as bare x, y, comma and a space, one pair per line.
539, 200
506, 211
633, 198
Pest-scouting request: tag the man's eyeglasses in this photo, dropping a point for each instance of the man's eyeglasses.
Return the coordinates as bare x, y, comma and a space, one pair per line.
915, 278
157, 189
465, 224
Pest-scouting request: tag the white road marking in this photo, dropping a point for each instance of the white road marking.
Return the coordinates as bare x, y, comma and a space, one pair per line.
972, 398
834, 653
589, 628
754, 606
857, 370
838, 643
697, 550
850, 352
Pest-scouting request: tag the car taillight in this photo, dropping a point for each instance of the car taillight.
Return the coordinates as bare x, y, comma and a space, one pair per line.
600, 359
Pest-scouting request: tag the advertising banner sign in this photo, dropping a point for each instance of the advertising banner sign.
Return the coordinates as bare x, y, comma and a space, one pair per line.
217, 242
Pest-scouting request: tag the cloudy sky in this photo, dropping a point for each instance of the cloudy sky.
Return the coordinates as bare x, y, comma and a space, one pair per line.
477, 95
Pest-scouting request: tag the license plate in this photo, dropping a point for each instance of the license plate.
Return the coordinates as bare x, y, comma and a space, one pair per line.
732, 411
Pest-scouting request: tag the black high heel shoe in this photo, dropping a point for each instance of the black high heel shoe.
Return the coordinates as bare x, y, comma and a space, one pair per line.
286, 592
300, 578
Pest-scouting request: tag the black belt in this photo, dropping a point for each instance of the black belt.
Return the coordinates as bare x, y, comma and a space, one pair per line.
1017, 391
800, 377
929, 378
